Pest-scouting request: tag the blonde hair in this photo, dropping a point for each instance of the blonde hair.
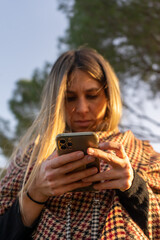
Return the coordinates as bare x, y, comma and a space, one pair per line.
51, 118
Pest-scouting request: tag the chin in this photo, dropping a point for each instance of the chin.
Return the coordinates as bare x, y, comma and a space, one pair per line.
81, 129
84, 130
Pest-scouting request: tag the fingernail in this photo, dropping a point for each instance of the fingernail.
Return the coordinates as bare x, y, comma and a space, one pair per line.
90, 158
90, 150
80, 154
94, 170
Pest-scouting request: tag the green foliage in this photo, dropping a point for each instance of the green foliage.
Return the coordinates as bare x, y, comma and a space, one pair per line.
24, 105
25, 102
6, 141
127, 33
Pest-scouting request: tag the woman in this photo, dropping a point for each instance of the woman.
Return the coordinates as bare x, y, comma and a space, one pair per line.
37, 198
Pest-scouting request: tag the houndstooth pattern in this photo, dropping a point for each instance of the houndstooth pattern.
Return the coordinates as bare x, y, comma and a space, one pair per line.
114, 221
95, 217
68, 224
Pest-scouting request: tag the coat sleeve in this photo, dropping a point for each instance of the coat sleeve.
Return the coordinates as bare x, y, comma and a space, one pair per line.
142, 200
136, 201
11, 225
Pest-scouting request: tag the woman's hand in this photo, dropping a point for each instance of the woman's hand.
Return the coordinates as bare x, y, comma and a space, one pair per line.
55, 175
119, 174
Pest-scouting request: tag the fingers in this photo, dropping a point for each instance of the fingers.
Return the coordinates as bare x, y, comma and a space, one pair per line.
77, 165
59, 176
67, 168
62, 183
72, 177
117, 147
57, 173
119, 175
109, 158
111, 179
114, 156
102, 176
55, 162
114, 184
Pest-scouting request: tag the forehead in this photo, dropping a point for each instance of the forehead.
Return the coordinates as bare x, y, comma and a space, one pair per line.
82, 80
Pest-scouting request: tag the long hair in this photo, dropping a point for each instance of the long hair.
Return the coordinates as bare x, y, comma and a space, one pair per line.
51, 118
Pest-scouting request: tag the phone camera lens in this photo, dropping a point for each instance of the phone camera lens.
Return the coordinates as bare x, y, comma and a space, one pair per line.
62, 141
69, 144
63, 147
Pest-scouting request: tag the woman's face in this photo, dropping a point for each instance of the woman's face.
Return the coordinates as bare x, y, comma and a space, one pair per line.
85, 102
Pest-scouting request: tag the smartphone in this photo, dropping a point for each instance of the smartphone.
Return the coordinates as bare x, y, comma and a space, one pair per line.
78, 141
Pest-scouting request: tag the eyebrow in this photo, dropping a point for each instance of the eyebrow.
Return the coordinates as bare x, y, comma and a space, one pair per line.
87, 90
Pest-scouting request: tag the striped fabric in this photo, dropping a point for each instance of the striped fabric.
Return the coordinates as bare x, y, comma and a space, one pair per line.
76, 216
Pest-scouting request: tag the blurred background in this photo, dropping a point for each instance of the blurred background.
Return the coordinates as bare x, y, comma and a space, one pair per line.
35, 33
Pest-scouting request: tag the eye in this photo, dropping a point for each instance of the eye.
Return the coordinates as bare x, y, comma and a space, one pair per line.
92, 96
70, 98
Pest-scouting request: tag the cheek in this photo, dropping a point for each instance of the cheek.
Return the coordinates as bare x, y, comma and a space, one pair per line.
68, 112
69, 109
100, 109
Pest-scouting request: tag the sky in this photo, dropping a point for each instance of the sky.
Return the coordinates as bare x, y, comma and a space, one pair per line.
29, 32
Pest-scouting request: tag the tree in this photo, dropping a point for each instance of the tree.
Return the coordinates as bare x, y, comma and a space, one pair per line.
5, 139
24, 105
127, 33
25, 102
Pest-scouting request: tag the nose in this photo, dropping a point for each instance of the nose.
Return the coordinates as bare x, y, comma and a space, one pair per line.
82, 106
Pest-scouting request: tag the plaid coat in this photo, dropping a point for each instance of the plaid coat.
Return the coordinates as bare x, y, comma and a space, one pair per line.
114, 221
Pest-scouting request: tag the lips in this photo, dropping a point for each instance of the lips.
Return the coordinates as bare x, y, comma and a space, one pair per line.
83, 123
